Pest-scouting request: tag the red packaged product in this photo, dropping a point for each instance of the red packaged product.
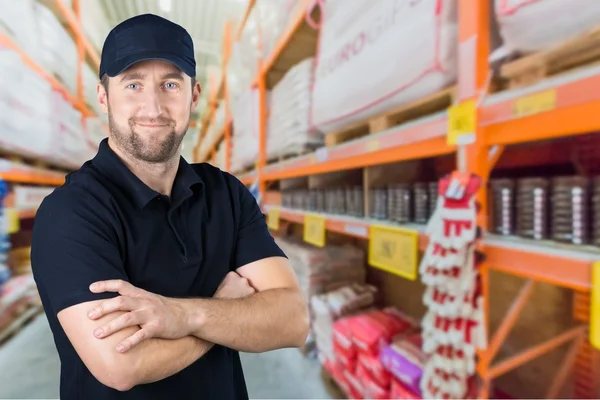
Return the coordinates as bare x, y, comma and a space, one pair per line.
356, 388
375, 368
374, 330
399, 391
373, 391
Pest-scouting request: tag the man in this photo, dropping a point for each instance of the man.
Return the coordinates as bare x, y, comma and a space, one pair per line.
153, 272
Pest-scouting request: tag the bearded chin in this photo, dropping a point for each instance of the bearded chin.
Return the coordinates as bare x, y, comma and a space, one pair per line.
132, 143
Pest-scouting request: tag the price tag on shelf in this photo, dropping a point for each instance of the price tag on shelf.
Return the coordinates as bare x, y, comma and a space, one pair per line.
314, 230
394, 250
372, 145
12, 222
273, 218
462, 121
535, 103
595, 306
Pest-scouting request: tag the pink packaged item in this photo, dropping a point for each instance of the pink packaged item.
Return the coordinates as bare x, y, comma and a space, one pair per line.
405, 360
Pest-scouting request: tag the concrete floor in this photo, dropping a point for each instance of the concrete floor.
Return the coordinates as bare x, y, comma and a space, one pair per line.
29, 369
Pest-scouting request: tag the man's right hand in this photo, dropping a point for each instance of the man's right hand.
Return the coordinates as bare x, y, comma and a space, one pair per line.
234, 286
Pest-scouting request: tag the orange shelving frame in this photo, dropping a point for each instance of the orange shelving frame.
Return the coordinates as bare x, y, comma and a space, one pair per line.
572, 110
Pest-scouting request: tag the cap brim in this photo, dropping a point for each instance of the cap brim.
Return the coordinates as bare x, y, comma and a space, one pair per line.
121, 65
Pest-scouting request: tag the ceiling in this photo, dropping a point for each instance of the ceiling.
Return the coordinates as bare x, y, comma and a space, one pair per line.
204, 20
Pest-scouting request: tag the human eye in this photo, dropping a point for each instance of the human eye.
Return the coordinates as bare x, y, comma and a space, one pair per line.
133, 86
171, 85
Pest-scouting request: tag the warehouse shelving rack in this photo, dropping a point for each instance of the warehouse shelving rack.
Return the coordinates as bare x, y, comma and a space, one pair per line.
557, 107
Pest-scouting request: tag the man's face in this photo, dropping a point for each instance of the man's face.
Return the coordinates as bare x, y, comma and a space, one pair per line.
149, 107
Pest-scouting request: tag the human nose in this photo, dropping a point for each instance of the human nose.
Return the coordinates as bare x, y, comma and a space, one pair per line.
152, 106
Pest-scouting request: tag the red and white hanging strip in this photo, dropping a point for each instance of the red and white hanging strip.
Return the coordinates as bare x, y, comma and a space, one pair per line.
453, 327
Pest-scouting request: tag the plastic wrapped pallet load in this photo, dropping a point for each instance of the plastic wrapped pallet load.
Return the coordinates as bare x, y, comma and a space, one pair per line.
521, 30
25, 126
289, 131
275, 15
380, 54
244, 113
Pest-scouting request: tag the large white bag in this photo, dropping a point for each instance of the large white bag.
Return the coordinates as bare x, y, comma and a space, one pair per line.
245, 115
533, 25
378, 54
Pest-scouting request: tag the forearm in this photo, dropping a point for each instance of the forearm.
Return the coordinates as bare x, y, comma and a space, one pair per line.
264, 321
157, 359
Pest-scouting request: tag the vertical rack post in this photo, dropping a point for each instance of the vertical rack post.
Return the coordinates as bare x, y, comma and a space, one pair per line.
473, 73
227, 39
262, 120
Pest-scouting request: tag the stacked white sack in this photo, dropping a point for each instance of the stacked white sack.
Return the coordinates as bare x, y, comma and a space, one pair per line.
18, 21
380, 54
245, 115
521, 30
275, 15
58, 50
289, 130
25, 114
215, 128
242, 66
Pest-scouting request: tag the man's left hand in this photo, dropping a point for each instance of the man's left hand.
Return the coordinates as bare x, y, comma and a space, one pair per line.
157, 316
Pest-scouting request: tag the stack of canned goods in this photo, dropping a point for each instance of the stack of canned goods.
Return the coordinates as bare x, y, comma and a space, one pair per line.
422, 203
532, 206
355, 203
400, 203
596, 212
378, 204
503, 193
570, 210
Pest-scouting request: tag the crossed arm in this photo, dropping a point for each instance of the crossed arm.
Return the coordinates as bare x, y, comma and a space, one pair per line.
146, 337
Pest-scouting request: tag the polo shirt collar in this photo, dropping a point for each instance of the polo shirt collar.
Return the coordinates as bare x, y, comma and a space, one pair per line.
109, 163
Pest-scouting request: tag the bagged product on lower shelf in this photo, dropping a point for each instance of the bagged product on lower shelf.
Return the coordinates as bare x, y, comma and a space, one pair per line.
381, 54
332, 334
521, 28
321, 270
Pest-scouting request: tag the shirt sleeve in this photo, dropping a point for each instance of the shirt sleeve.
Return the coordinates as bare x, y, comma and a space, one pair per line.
73, 245
254, 241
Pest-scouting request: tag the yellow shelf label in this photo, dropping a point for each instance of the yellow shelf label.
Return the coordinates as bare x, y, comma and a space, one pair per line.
462, 120
13, 222
314, 230
394, 250
595, 306
273, 218
535, 103
372, 145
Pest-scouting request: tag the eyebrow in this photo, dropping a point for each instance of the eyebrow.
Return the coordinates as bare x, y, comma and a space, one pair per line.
173, 75
132, 76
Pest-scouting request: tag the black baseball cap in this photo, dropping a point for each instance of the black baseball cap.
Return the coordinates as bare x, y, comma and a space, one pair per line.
147, 37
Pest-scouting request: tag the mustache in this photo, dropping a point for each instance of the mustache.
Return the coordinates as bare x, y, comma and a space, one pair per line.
152, 121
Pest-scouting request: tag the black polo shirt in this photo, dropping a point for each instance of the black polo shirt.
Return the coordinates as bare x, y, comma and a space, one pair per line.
104, 223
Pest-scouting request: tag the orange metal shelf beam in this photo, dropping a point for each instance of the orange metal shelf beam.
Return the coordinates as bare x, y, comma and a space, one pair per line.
353, 227
248, 177
567, 267
424, 138
213, 146
75, 26
573, 111
291, 28
38, 177
249, 7
55, 83
27, 214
